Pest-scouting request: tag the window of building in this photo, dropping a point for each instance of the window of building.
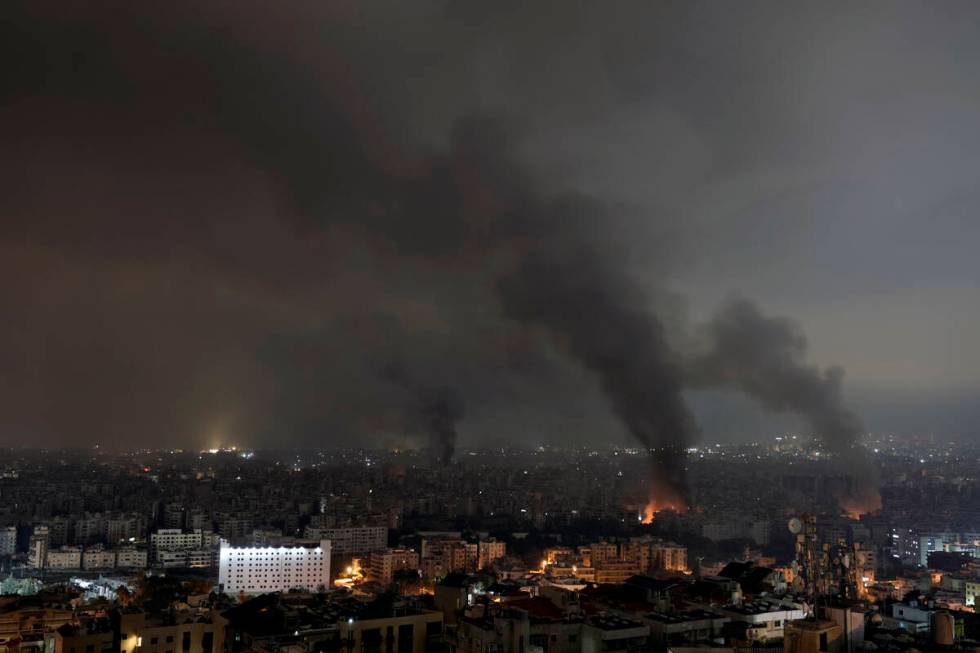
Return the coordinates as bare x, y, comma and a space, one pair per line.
406, 635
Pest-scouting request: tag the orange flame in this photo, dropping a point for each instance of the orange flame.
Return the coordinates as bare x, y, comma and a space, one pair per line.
654, 506
665, 491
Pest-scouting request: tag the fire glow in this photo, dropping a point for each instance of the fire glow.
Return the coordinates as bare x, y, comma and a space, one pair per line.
861, 503
654, 506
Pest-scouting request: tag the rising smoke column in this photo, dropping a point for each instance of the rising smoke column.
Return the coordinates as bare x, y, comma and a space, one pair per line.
573, 283
765, 358
426, 407
442, 410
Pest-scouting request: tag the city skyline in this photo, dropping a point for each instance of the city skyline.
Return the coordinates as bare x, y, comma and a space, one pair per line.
489, 326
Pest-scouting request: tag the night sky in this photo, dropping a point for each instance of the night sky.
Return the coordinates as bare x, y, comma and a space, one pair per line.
307, 223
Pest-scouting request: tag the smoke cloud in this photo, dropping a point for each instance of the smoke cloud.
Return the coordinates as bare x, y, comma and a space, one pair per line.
442, 411
574, 284
765, 358
235, 219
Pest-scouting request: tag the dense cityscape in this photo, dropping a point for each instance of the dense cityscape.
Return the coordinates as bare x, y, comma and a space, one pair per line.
489, 326
494, 551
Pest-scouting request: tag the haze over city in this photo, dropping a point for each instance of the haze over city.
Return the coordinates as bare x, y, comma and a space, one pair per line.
510, 326
323, 223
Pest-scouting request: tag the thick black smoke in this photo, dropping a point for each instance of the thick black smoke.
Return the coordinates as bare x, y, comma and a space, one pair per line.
210, 198
574, 284
765, 358
429, 409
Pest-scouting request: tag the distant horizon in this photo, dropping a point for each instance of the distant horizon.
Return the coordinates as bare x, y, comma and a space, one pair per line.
464, 449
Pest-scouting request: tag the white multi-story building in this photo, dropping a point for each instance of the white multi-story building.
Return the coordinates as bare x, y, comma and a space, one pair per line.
255, 570
8, 540
355, 540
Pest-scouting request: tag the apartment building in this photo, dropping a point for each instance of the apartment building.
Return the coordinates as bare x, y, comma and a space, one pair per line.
256, 570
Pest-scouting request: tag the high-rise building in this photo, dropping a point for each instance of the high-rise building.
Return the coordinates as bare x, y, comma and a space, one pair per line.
256, 570
8, 540
37, 550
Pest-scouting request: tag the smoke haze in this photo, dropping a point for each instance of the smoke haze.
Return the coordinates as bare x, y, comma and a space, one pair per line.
222, 226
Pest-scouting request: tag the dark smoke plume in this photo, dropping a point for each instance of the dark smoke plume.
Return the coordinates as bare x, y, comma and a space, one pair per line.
361, 185
433, 410
765, 358
575, 286
442, 411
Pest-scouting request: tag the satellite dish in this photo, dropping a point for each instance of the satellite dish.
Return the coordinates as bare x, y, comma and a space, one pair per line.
795, 525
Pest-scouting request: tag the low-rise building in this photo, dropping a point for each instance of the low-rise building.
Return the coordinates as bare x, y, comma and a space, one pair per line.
94, 636
765, 619
811, 636
615, 571
98, 557
306, 622
132, 557
66, 557
181, 632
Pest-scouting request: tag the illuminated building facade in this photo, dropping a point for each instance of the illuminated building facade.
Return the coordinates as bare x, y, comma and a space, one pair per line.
256, 570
